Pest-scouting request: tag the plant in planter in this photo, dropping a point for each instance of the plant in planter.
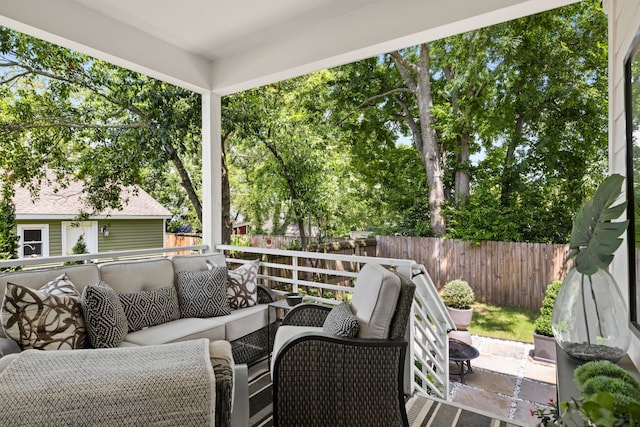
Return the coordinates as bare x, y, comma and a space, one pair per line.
589, 319
458, 297
610, 396
544, 345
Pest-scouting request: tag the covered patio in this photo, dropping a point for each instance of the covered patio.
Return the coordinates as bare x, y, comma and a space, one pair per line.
217, 48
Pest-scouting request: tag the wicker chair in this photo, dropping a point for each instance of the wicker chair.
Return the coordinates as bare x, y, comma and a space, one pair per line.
321, 380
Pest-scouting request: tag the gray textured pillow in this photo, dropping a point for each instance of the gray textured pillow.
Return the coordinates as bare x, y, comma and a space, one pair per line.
203, 293
150, 308
104, 316
46, 319
341, 322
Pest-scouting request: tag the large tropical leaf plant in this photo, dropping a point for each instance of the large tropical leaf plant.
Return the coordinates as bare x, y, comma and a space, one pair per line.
595, 236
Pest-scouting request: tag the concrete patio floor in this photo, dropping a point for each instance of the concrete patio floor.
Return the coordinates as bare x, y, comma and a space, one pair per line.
505, 381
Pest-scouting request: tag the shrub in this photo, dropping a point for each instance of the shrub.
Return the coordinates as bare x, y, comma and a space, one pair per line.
609, 393
603, 368
543, 322
458, 294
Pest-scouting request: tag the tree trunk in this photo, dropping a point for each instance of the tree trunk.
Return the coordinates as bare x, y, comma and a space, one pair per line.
226, 198
185, 180
292, 193
509, 173
430, 144
421, 87
462, 171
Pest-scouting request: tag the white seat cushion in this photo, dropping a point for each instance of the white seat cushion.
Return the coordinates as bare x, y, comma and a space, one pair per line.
244, 321
178, 330
374, 300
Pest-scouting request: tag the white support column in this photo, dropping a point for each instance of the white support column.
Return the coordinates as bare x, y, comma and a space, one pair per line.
211, 169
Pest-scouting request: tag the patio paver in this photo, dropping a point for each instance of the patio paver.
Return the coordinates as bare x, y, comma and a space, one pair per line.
506, 381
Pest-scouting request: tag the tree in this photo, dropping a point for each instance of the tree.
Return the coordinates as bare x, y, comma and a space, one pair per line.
288, 161
529, 96
84, 118
8, 238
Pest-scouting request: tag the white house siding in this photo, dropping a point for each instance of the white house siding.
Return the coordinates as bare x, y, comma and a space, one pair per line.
624, 23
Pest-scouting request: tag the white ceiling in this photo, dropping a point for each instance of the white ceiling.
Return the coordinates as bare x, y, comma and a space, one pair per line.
232, 45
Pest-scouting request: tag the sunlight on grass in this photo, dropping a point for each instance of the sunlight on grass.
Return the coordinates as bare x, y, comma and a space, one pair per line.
503, 322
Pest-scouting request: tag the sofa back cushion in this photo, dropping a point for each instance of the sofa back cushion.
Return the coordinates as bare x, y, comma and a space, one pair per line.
197, 262
138, 275
374, 300
81, 276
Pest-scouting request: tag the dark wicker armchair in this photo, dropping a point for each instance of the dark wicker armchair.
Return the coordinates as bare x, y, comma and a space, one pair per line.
325, 380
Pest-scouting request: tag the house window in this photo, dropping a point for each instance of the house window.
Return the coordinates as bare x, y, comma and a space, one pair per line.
34, 240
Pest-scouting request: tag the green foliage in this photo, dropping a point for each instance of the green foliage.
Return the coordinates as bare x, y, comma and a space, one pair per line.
595, 236
611, 397
8, 238
458, 294
543, 322
79, 248
602, 368
69, 116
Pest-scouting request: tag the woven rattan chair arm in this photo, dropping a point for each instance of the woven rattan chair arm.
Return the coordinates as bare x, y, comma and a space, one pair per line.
339, 381
265, 295
308, 314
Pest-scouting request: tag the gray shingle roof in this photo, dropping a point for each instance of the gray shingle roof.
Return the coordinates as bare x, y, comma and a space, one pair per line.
69, 202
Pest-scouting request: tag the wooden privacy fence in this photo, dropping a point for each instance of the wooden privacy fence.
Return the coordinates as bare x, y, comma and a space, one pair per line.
500, 273
172, 240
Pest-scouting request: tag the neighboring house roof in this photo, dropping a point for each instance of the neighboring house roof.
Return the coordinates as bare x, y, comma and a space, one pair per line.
67, 203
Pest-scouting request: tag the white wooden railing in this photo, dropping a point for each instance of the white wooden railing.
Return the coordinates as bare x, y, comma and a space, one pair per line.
428, 356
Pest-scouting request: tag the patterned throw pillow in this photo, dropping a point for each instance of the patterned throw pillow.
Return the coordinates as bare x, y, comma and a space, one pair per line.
150, 308
242, 289
46, 319
103, 313
203, 293
341, 322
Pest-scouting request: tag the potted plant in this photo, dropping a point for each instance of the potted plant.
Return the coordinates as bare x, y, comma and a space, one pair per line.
544, 344
458, 297
589, 319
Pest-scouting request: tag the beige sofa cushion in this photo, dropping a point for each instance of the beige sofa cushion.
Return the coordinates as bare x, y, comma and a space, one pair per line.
374, 300
138, 275
81, 276
197, 262
177, 330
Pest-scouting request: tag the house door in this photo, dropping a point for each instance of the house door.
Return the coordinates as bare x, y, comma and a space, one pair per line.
72, 231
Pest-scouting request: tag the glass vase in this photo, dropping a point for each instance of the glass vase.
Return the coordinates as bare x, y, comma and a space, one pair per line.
590, 319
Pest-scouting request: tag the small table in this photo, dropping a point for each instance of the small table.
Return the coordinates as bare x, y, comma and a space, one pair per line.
461, 353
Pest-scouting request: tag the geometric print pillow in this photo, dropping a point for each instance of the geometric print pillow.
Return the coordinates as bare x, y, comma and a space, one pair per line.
242, 289
341, 322
104, 316
203, 293
46, 319
150, 308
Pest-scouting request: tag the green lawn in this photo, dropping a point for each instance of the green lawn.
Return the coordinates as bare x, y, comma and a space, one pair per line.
503, 322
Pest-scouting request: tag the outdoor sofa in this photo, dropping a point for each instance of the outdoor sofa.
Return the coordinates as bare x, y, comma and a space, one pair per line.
143, 303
